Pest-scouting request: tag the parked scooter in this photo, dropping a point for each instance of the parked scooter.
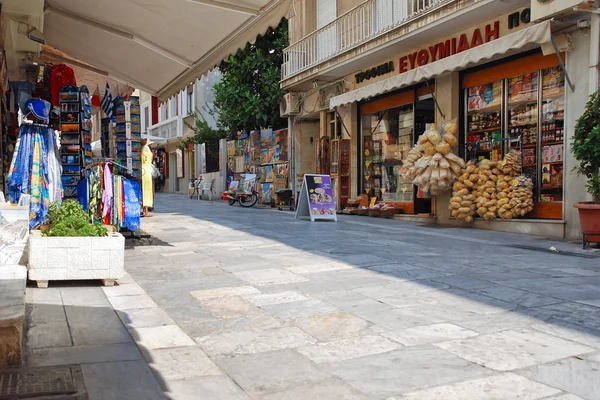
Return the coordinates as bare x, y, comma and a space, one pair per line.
245, 192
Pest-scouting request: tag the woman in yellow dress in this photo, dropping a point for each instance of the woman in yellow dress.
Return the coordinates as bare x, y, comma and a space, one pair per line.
147, 171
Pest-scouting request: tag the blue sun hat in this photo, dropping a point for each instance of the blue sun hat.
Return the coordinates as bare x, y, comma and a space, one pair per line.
37, 108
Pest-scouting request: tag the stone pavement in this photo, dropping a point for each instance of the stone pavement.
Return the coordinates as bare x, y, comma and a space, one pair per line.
231, 303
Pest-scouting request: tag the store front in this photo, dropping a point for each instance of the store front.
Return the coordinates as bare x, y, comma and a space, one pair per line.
502, 81
519, 105
389, 127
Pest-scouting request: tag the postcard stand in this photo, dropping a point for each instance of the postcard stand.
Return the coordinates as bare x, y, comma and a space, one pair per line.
71, 139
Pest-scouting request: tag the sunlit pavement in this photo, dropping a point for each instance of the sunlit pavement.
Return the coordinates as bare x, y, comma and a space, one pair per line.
232, 303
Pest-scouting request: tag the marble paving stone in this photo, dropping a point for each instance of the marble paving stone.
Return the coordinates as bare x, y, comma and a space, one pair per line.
299, 309
93, 326
512, 349
591, 302
405, 370
266, 299
571, 332
401, 289
82, 355
145, 317
128, 380
224, 291
132, 302
84, 297
230, 307
574, 313
210, 388
566, 396
499, 387
48, 334
201, 328
127, 289
326, 390
334, 326
346, 349
269, 276
160, 337
573, 375
249, 342
464, 282
317, 268
396, 319
429, 334
502, 321
43, 296
181, 363
518, 296
269, 372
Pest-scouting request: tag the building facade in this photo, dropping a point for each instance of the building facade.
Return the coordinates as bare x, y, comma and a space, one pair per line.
166, 124
369, 77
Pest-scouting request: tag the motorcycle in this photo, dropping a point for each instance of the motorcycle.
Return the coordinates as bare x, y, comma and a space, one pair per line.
245, 193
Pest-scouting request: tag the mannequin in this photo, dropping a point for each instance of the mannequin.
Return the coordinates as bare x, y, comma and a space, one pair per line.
147, 171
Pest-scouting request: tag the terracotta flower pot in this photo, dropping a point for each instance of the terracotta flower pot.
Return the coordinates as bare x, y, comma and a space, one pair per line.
589, 217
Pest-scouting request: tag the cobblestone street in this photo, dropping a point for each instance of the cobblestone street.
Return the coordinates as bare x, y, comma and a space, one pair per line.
231, 303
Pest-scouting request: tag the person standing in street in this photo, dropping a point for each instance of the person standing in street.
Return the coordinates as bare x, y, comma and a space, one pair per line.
147, 177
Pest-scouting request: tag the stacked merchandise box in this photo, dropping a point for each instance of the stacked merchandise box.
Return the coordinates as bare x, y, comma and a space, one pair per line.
71, 152
128, 134
86, 124
107, 138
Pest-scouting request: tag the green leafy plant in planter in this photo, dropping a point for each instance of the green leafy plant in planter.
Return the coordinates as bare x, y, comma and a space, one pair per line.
586, 146
70, 219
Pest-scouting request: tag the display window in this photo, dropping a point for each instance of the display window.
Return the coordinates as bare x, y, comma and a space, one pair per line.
521, 111
387, 137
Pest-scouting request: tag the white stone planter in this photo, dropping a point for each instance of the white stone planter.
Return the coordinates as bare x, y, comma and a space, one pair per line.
76, 258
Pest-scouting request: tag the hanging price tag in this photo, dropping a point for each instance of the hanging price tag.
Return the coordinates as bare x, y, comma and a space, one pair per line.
128, 130
127, 105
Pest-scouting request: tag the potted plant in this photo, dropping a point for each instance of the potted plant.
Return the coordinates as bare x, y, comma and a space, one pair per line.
586, 149
71, 248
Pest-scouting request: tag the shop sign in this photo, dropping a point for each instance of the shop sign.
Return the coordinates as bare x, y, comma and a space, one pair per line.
461, 43
316, 198
375, 72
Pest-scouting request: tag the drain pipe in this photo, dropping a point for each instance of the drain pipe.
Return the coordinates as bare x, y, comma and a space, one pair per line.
594, 50
292, 139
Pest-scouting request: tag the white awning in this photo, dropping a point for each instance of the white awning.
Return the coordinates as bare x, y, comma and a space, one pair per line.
157, 46
532, 36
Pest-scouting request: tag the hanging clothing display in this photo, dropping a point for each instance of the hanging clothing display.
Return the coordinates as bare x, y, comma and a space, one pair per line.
109, 197
60, 76
147, 170
35, 168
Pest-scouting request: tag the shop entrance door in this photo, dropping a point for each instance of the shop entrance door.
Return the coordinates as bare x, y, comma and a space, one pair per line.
424, 114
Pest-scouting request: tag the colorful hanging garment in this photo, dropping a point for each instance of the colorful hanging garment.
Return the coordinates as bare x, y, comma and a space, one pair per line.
31, 171
132, 204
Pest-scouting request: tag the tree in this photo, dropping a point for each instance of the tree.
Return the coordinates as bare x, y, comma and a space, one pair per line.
203, 133
249, 92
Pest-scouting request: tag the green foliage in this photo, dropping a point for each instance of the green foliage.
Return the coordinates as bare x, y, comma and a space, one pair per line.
249, 92
586, 145
203, 133
70, 219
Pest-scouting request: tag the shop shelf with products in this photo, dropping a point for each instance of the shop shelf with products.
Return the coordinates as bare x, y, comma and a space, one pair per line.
71, 139
340, 170
552, 134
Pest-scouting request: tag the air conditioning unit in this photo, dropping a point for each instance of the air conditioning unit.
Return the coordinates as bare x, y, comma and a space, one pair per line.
546, 9
290, 104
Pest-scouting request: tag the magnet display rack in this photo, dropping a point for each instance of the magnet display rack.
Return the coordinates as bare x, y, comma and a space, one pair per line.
71, 139
129, 134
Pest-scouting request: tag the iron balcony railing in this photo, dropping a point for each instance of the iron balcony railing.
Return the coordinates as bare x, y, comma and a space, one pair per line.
357, 26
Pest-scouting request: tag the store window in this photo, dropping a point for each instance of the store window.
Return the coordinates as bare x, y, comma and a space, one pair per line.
523, 112
386, 138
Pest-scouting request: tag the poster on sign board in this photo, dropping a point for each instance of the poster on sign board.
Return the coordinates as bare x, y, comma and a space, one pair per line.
316, 198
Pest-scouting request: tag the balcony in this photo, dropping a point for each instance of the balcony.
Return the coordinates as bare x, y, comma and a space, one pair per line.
363, 23
168, 129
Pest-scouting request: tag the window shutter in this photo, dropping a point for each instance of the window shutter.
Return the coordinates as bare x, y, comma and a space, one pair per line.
326, 12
